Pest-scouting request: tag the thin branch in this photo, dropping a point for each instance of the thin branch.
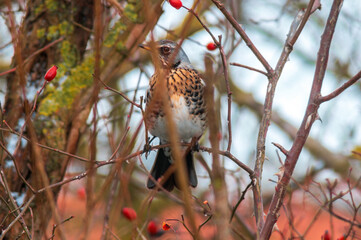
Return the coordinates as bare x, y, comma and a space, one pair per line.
281, 148
240, 200
56, 225
296, 26
118, 92
183, 223
243, 34
230, 156
204, 223
17, 168
229, 93
249, 68
3, 233
113, 234
339, 90
309, 118
33, 55
44, 146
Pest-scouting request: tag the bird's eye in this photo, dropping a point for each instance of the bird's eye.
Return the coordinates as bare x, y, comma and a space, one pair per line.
165, 50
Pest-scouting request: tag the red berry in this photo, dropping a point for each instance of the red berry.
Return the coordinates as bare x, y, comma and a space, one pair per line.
326, 236
81, 193
166, 226
176, 3
152, 228
51, 73
129, 213
211, 46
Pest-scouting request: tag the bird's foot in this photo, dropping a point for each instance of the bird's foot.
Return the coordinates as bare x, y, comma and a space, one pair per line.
147, 147
194, 145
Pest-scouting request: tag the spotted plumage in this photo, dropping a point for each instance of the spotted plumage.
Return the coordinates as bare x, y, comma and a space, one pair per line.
185, 89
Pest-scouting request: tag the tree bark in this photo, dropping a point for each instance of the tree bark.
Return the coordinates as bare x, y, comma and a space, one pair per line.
60, 116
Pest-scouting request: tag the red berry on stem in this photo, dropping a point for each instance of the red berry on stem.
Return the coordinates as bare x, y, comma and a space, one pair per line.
176, 3
51, 73
129, 213
152, 228
211, 46
326, 236
166, 226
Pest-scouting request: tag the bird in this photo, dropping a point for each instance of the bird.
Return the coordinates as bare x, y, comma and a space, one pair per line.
175, 76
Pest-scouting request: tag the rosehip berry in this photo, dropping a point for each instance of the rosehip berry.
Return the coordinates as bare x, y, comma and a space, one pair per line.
129, 213
176, 3
51, 73
152, 228
166, 226
211, 46
326, 236
81, 193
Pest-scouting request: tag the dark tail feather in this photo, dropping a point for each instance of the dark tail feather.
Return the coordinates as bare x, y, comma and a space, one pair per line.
192, 175
160, 166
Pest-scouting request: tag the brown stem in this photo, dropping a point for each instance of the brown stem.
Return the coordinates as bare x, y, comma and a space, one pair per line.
293, 34
250, 68
243, 34
309, 117
44, 146
18, 217
281, 148
115, 91
34, 54
339, 90
17, 168
94, 99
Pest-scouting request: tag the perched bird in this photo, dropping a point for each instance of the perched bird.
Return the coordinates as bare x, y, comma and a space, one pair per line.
185, 90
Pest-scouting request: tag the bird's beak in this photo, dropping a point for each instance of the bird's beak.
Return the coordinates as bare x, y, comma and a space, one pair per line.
146, 47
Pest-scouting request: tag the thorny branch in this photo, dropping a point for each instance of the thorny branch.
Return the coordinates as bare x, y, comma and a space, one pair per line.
309, 118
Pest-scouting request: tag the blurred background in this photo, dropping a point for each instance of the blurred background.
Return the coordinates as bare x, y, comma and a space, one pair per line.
96, 201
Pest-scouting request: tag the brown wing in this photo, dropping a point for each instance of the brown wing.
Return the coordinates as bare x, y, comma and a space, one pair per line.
187, 83
180, 82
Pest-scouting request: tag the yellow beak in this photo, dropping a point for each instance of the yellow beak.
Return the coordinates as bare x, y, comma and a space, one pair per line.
146, 47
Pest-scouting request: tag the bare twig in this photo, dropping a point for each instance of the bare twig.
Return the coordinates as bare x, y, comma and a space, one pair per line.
240, 200
43, 146
339, 90
34, 54
281, 148
17, 168
243, 34
273, 76
118, 92
250, 68
19, 216
231, 157
56, 225
14, 205
309, 118
229, 93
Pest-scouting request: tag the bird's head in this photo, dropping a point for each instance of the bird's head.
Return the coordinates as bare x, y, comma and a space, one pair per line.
165, 52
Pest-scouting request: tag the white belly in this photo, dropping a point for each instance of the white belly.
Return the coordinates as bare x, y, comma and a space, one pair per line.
187, 125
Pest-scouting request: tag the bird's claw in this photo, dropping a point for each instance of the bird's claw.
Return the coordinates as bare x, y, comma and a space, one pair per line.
195, 147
